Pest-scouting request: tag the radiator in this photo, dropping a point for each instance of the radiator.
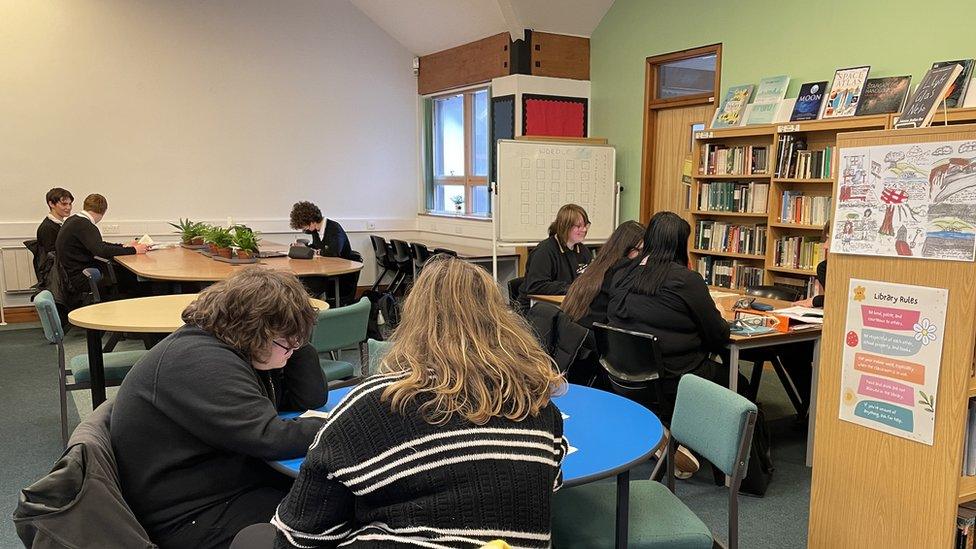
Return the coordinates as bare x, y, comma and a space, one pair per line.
18, 269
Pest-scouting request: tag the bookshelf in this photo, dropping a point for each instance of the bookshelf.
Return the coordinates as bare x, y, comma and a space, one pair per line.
815, 184
872, 489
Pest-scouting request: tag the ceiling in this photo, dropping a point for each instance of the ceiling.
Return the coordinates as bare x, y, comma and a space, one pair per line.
428, 26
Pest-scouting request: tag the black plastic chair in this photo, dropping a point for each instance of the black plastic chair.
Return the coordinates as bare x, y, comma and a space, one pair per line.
384, 258
403, 260
447, 251
762, 355
632, 361
514, 290
420, 255
773, 292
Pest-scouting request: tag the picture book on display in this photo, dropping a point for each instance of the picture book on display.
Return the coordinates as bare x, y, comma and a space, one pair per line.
770, 92
928, 96
884, 95
845, 92
733, 107
957, 92
808, 101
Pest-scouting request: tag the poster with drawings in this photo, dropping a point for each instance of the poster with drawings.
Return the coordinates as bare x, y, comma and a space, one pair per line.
914, 200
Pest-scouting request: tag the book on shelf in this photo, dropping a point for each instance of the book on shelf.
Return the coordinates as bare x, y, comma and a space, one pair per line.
804, 209
965, 523
884, 95
957, 90
733, 196
928, 96
808, 101
845, 92
813, 164
969, 442
798, 252
729, 273
806, 287
729, 114
718, 159
721, 236
770, 92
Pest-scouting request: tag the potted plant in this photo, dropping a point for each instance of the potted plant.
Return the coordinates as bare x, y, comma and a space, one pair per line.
458, 200
220, 240
246, 242
191, 232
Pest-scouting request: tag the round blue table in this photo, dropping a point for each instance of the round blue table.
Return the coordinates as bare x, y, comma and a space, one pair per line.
610, 433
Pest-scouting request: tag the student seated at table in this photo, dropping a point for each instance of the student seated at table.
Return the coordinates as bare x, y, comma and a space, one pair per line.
558, 260
196, 419
455, 442
333, 242
79, 242
587, 298
59, 203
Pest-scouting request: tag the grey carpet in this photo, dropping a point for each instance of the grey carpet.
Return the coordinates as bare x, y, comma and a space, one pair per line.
30, 431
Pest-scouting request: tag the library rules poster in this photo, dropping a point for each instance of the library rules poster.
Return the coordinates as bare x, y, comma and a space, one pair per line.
892, 357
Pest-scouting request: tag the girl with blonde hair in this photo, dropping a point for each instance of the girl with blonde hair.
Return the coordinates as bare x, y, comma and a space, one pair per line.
558, 260
455, 441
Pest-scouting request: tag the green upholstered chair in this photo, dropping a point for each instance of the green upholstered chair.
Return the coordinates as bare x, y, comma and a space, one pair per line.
116, 364
709, 419
341, 328
377, 350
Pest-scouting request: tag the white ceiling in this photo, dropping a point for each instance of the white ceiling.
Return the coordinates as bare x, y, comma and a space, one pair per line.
428, 26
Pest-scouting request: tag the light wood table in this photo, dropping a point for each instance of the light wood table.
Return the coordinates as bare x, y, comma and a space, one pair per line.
739, 343
153, 315
179, 264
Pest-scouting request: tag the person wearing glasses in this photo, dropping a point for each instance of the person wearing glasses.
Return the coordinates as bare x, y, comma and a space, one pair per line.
196, 419
558, 260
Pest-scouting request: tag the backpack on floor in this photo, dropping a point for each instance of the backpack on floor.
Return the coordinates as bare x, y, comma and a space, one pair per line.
384, 315
760, 470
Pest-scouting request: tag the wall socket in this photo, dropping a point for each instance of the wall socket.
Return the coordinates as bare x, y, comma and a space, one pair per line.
370, 225
111, 228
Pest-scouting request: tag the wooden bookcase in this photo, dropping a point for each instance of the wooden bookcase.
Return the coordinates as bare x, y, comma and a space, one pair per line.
817, 134
872, 489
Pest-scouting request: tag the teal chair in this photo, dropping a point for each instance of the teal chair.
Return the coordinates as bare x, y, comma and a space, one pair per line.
377, 350
341, 328
709, 419
117, 364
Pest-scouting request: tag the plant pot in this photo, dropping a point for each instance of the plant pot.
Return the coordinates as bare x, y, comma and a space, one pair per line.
457, 210
212, 247
245, 254
196, 241
223, 252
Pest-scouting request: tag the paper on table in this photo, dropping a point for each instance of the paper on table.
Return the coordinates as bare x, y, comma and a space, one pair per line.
146, 239
810, 315
315, 413
719, 295
572, 449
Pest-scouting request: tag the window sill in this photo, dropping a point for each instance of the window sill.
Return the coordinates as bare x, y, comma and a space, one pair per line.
453, 216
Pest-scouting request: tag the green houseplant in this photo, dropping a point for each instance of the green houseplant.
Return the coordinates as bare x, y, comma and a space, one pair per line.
191, 232
246, 241
458, 200
220, 240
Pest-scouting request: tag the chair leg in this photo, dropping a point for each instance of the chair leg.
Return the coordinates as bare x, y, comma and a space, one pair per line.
754, 379
63, 394
113, 339
379, 279
791, 391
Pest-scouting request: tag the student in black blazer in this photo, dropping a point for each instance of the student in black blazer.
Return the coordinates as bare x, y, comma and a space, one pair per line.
556, 262
59, 203
333, 242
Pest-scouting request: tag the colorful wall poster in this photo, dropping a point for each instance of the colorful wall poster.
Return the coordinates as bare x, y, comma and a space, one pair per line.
912, 200
892, 357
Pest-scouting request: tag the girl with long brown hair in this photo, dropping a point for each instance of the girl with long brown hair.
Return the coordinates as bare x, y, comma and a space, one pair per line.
587, 298
454, 442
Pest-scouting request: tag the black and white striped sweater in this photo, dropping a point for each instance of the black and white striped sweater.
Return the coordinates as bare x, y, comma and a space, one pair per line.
375, 478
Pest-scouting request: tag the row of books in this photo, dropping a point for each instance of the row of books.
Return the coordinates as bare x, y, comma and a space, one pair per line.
798, 252
805, 287
815, 164
726, 237
969, 447
804, 209
965, 521
733, 196
729, 273
717, 159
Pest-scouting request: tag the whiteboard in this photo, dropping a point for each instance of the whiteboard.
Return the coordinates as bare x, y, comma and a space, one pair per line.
536, 178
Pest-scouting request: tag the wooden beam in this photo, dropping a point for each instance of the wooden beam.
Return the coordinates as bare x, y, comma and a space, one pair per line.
472, 63
560, 56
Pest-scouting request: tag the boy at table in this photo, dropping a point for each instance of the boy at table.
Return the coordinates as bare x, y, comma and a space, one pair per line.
333, 242
196, 419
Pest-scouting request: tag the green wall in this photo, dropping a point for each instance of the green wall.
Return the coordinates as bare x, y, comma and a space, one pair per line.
806, 40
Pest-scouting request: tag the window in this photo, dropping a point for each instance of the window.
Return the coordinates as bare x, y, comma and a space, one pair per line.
458, 161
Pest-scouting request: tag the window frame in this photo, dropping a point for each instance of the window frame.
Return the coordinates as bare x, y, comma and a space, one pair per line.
468, 180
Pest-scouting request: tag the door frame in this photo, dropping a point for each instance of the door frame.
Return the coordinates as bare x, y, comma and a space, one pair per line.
652, 105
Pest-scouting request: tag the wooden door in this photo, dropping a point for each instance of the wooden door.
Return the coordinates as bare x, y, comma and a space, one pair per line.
670, 144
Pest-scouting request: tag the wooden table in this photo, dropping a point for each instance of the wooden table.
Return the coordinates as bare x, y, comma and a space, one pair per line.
739, 343
179, 264
147, 315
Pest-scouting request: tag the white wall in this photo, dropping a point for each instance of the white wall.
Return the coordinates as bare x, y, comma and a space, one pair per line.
207, 109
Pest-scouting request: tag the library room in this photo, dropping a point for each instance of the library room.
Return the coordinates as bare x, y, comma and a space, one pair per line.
487, 274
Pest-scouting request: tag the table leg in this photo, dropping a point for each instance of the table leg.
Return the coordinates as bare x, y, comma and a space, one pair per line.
96, 367
623, 509
335, 280
812, 408
734, 367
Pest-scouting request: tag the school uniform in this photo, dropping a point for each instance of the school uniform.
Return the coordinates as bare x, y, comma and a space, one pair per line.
597, 311
333, 243
47, 234
552, 267
77, 244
